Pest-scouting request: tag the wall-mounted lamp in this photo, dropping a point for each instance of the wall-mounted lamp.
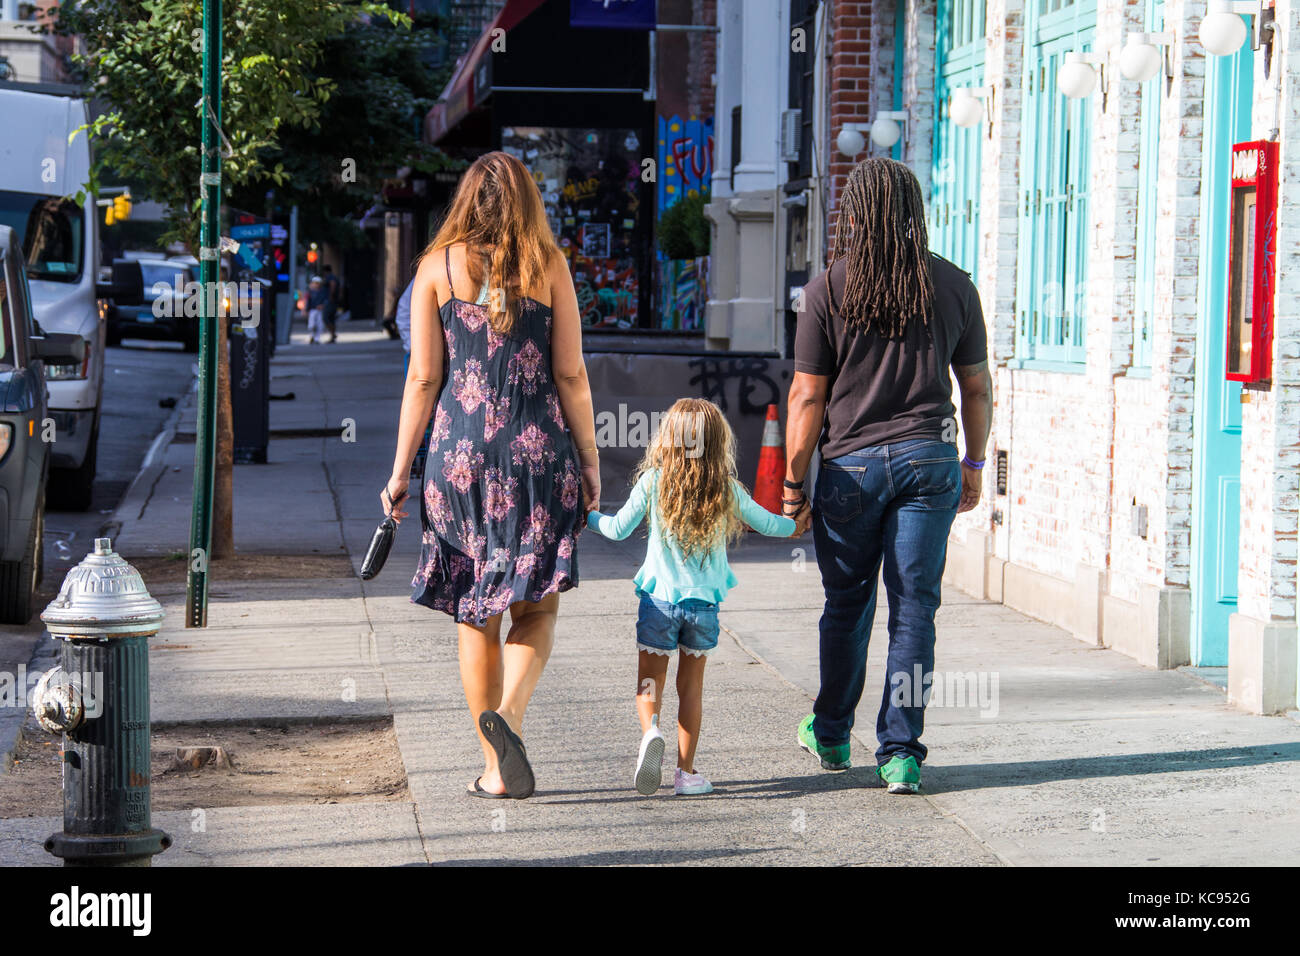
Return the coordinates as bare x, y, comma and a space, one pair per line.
966, 110
850, 142
888, 127
1078, 74
1144, 54
1223, 31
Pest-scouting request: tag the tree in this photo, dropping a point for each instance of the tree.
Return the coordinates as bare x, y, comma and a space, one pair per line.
368, 129
142, 62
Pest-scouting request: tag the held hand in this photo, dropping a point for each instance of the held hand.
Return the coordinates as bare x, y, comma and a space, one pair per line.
796, 505
972, 486
803, 520
392, 499
591, 487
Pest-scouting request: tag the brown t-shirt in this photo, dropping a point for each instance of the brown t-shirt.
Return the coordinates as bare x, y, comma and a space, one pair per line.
889, 390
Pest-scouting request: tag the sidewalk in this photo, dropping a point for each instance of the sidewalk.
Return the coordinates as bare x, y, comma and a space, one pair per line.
1090, 758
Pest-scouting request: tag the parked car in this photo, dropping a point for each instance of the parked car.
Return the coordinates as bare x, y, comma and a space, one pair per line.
39, 169
150, 302
25, 447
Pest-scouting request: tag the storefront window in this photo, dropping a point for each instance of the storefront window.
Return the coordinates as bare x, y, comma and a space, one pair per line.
590, 183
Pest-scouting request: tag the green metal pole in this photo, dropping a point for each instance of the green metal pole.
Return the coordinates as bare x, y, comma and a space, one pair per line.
196, 588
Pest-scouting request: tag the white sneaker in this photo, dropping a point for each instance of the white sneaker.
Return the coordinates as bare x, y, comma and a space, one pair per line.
650, 761
690, 784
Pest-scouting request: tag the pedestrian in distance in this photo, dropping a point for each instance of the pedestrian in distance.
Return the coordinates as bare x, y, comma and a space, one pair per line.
316, 298
874, 343
512, 457
686, 485
331, 307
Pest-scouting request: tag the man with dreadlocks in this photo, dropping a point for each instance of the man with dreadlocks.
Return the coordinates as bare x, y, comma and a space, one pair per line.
876, 337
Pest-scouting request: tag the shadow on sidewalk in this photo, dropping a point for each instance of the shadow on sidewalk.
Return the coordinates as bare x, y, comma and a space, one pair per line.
815, 781
990, 776
634, 857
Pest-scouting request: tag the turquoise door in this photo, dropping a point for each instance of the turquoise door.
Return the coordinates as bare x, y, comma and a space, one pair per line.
1216, 423
955, 170
1056, 147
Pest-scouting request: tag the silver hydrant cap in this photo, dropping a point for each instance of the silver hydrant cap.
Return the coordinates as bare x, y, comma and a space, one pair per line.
103, 595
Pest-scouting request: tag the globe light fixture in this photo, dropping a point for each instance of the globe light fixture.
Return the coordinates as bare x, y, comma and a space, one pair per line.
965, 108
850, 142
1223, 31
887, 129
1144, 54
1077, 77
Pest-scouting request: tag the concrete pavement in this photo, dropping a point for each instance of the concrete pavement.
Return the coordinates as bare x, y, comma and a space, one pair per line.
1072, 754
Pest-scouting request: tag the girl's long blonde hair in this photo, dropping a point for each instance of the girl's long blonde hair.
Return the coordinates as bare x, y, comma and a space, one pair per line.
694, 451
498, 213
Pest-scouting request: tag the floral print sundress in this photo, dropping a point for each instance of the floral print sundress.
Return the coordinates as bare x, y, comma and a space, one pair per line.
501, 508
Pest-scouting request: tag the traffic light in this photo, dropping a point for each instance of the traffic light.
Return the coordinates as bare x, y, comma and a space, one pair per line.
312, 256
117, 209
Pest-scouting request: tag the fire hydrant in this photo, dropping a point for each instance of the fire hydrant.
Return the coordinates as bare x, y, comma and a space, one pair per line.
99, 700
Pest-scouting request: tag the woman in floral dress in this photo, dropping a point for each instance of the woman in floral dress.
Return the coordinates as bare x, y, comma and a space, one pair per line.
512, 468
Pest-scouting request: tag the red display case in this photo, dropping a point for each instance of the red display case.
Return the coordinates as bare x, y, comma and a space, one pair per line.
1252, 263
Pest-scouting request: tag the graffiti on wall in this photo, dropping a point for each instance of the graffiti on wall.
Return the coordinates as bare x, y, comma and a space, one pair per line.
685, 287
590, 181
684, 157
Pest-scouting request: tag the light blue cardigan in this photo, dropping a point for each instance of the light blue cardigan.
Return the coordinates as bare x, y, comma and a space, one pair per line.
667, 574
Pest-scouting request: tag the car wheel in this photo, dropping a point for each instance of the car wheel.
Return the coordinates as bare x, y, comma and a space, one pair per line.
114, 336
18, 578
72, 488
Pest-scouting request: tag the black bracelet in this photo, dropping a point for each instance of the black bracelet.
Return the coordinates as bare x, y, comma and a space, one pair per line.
793, 485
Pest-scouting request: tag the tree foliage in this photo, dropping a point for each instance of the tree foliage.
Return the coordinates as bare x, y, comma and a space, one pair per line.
683, 228
369, 127
143, 64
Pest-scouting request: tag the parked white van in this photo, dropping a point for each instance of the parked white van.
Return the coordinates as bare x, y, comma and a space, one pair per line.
41, 172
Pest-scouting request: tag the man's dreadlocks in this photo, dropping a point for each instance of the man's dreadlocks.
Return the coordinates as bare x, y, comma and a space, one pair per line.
888, 281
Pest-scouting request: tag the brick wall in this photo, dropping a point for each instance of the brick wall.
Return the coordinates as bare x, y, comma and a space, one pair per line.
918, 88
703, 60
851, 91
1178, 251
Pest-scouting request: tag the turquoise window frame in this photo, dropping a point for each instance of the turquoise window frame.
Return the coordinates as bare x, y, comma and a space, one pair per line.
1051, 286
957, 153
1144, 296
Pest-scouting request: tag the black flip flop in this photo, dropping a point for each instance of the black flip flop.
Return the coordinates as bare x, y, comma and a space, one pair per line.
512, 758
478, 791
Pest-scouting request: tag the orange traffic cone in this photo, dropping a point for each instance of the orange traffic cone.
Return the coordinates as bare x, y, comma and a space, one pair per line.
771, 464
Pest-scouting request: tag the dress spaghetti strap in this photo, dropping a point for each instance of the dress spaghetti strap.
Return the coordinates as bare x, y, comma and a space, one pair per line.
450, 288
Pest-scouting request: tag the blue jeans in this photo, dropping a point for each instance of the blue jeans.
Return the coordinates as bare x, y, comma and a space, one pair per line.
893, 504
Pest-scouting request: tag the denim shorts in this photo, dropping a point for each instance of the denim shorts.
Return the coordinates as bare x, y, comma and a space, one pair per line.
662, 627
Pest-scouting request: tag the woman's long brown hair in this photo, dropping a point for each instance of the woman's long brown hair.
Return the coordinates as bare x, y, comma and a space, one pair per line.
888, 281
498, 214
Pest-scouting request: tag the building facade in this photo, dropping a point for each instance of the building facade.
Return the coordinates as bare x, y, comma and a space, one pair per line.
1136, 494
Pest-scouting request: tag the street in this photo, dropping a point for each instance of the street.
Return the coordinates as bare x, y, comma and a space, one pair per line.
138, 376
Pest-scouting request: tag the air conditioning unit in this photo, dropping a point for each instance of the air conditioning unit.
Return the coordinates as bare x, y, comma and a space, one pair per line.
791, 134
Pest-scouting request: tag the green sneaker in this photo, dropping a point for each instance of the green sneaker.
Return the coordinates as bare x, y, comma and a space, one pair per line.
832, 758
901, 775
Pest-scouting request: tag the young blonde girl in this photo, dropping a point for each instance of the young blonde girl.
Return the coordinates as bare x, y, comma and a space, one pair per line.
686, 484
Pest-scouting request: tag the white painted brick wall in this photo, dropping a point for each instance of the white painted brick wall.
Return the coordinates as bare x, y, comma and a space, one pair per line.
1086, 447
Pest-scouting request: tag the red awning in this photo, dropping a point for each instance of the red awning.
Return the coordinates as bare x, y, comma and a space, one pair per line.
457, 100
